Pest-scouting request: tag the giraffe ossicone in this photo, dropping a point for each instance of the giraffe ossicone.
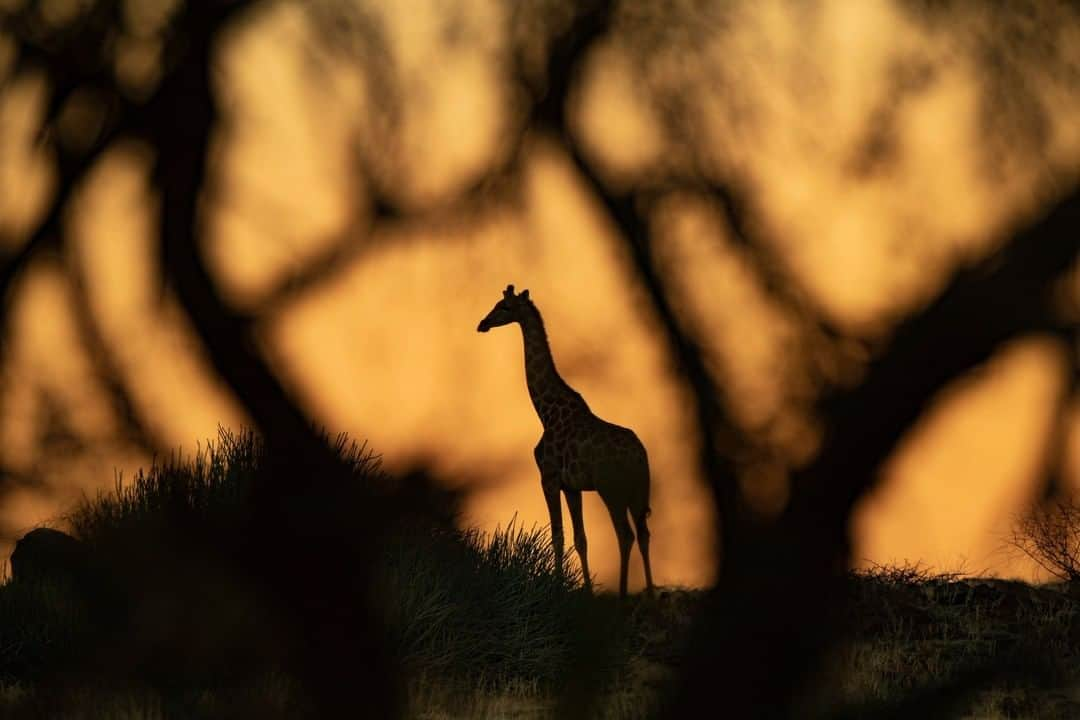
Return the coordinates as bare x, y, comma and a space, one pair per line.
578, 451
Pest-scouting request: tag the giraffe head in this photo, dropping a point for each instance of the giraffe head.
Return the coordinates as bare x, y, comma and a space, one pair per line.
509, 309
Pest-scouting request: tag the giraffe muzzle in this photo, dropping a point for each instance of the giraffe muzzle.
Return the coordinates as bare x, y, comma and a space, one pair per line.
483, 326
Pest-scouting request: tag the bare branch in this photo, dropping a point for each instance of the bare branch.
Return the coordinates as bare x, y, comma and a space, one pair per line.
1050, 535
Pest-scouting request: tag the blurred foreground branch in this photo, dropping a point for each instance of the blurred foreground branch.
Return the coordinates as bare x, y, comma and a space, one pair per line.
766, 631
779, 599
301, 502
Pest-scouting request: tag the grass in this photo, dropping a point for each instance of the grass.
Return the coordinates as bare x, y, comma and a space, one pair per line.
487, 607
913, 631
462, 608
482, 624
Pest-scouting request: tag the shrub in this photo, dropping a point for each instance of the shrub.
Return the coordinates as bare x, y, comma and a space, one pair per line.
1049, 534
42, 623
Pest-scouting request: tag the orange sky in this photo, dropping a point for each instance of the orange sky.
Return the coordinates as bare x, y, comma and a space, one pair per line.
388, 349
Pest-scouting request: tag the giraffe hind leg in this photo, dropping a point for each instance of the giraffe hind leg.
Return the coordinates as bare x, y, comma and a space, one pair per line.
626, 541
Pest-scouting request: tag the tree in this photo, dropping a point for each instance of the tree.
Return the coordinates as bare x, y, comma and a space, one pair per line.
763, 630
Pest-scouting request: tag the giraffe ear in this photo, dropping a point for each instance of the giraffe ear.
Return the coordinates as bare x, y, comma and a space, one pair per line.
524, 294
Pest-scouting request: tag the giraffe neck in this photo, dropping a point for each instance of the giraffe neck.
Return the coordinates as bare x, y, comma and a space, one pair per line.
551, 396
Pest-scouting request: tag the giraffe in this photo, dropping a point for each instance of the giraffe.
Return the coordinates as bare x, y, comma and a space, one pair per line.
578, 451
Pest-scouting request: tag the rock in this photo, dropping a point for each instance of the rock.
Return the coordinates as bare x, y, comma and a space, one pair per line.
45, 553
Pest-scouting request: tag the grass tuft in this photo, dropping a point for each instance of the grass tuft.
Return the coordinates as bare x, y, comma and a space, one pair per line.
480, 605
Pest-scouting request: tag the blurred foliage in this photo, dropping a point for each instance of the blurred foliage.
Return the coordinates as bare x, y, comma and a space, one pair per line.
239, 580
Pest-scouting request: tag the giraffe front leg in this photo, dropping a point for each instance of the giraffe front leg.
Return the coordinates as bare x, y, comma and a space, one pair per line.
555, 512
573, 504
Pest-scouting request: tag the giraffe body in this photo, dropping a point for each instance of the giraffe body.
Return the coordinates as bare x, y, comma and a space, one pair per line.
588, 453
579, 452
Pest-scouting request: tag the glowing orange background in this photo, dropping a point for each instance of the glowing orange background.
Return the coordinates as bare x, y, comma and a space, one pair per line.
387, 350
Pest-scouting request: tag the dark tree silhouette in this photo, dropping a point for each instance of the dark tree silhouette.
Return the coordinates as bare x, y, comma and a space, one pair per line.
763, 630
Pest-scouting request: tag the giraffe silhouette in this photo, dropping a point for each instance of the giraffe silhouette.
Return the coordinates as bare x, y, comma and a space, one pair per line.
578, 451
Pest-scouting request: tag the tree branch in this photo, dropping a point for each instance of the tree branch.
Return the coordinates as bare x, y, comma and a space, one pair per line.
984, 306
498, 190
68, 68
304, 507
